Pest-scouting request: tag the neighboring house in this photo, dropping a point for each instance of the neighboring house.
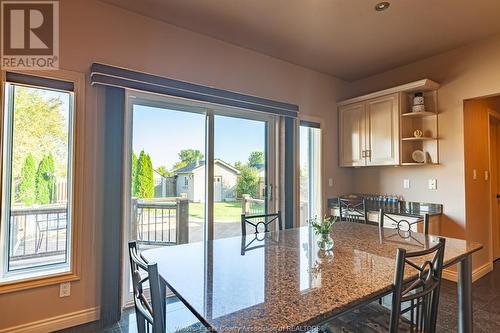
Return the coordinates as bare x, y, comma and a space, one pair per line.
191, 181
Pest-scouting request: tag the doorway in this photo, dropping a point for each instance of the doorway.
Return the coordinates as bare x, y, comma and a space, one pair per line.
482, 179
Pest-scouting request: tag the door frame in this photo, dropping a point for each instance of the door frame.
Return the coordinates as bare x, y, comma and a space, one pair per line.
210, 111
494, 168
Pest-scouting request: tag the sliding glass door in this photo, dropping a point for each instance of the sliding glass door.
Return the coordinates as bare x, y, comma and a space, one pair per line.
310, 171
240, 172
172, 146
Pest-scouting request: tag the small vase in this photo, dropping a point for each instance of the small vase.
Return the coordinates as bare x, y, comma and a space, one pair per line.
325, 242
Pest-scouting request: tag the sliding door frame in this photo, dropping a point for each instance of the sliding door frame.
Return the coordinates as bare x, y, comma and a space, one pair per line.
210, 111
321, 176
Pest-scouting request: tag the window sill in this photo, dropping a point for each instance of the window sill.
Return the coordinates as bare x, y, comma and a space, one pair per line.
42, 281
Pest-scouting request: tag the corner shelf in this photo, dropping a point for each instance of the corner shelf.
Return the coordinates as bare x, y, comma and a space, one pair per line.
417, 164
418, 114
422, 138
425, 121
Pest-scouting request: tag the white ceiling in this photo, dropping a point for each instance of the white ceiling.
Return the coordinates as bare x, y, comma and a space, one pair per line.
345, 38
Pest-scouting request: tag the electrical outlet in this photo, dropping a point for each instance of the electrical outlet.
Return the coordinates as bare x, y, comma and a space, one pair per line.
330, 182
406, 183
432, 184
65, 289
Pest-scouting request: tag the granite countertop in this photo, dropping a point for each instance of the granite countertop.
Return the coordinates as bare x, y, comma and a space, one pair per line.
403, 208
287, 283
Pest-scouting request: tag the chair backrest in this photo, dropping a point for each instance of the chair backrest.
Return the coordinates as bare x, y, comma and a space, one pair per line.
259, 222
353, 210
402, 223
420, 294
149, 312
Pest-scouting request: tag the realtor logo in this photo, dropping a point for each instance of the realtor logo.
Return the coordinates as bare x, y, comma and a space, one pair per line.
30, 35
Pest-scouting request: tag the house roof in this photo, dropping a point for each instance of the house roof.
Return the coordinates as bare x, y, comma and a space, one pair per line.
201, 164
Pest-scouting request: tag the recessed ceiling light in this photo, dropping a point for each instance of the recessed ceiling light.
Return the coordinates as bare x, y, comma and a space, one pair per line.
381, 6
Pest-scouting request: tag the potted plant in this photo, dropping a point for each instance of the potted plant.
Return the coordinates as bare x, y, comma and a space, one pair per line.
322, 228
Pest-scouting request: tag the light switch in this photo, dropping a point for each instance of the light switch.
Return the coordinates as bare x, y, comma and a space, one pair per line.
330, 182
432, 184
406, 183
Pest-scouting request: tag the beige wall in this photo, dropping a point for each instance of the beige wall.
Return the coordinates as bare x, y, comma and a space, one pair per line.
93, 31
464, 73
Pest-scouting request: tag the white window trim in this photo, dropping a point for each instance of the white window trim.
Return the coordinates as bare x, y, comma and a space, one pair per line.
53, 274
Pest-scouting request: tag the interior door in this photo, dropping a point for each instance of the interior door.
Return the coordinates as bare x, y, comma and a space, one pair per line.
382, 121
352, 134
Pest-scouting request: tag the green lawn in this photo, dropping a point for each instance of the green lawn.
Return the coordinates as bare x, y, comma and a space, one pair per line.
223, 211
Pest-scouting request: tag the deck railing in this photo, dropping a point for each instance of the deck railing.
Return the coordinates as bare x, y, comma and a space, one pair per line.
37, 231
160, 221
251, 206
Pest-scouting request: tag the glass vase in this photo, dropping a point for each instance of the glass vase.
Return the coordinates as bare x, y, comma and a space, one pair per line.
325, 242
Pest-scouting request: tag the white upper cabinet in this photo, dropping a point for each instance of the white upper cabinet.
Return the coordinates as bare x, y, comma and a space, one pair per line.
382, 129
369, 132
352, 137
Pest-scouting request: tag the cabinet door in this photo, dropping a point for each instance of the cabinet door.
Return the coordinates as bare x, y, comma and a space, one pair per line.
382, 121
352, 134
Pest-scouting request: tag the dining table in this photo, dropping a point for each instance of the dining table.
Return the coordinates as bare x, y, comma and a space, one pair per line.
283, 280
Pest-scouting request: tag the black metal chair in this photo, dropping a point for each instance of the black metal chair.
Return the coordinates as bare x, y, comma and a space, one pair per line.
353, 210
402, 223
150, 312
419, 294
260, 221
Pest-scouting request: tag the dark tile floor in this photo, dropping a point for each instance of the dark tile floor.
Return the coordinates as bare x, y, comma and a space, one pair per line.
486, 297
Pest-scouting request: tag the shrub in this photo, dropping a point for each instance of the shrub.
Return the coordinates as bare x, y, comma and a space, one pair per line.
27, 185
145, 187
45, 180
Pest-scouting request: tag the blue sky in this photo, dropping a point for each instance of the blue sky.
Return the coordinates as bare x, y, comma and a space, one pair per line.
163, 133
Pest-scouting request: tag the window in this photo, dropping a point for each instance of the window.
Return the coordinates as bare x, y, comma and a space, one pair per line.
36, 221
310, 171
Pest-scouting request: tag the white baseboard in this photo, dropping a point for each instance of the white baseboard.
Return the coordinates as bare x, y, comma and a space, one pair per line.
476, 274
56, 323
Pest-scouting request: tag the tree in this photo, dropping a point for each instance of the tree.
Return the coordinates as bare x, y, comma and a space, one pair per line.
190, 155
133, 175
145, 187
40, 128
248, 182
162, 170
256, 159
187, 157
27, 185
239, 166
45, 180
